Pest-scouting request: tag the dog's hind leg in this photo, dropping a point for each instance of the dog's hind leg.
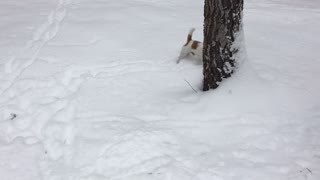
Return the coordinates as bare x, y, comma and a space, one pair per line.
184, 53
178, 60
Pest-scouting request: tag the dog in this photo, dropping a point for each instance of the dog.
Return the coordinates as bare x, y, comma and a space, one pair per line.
191, 47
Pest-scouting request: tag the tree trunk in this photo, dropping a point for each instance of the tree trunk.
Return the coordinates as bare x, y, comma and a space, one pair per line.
222, 20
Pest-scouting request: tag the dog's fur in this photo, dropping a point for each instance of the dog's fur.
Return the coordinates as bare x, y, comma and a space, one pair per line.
191, 47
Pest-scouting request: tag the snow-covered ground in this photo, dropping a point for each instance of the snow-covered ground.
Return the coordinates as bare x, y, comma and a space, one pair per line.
90, 91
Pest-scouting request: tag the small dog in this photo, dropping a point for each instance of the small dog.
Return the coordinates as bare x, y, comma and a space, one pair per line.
191, 47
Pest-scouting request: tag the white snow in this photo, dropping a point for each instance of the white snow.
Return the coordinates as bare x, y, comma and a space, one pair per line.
90, 91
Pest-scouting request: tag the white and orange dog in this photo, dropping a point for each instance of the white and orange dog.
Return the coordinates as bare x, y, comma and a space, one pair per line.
192, 47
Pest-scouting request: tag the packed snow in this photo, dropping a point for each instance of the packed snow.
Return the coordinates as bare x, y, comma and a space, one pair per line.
90, 90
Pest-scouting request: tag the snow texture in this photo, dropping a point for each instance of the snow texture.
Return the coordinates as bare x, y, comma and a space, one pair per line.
90, 91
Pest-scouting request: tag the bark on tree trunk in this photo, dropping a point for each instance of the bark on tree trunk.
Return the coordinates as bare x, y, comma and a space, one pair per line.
222, 20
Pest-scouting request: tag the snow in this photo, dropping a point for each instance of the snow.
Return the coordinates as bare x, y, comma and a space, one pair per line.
90, 90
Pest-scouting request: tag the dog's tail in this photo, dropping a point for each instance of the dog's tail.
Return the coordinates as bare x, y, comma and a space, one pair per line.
189, 38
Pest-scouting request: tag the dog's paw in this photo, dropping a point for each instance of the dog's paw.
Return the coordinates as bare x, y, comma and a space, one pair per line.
178, 60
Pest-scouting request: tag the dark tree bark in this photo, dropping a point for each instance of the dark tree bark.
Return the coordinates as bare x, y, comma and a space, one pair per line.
222, 20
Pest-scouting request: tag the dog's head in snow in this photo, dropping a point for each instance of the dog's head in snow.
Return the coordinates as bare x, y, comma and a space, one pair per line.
192, 47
